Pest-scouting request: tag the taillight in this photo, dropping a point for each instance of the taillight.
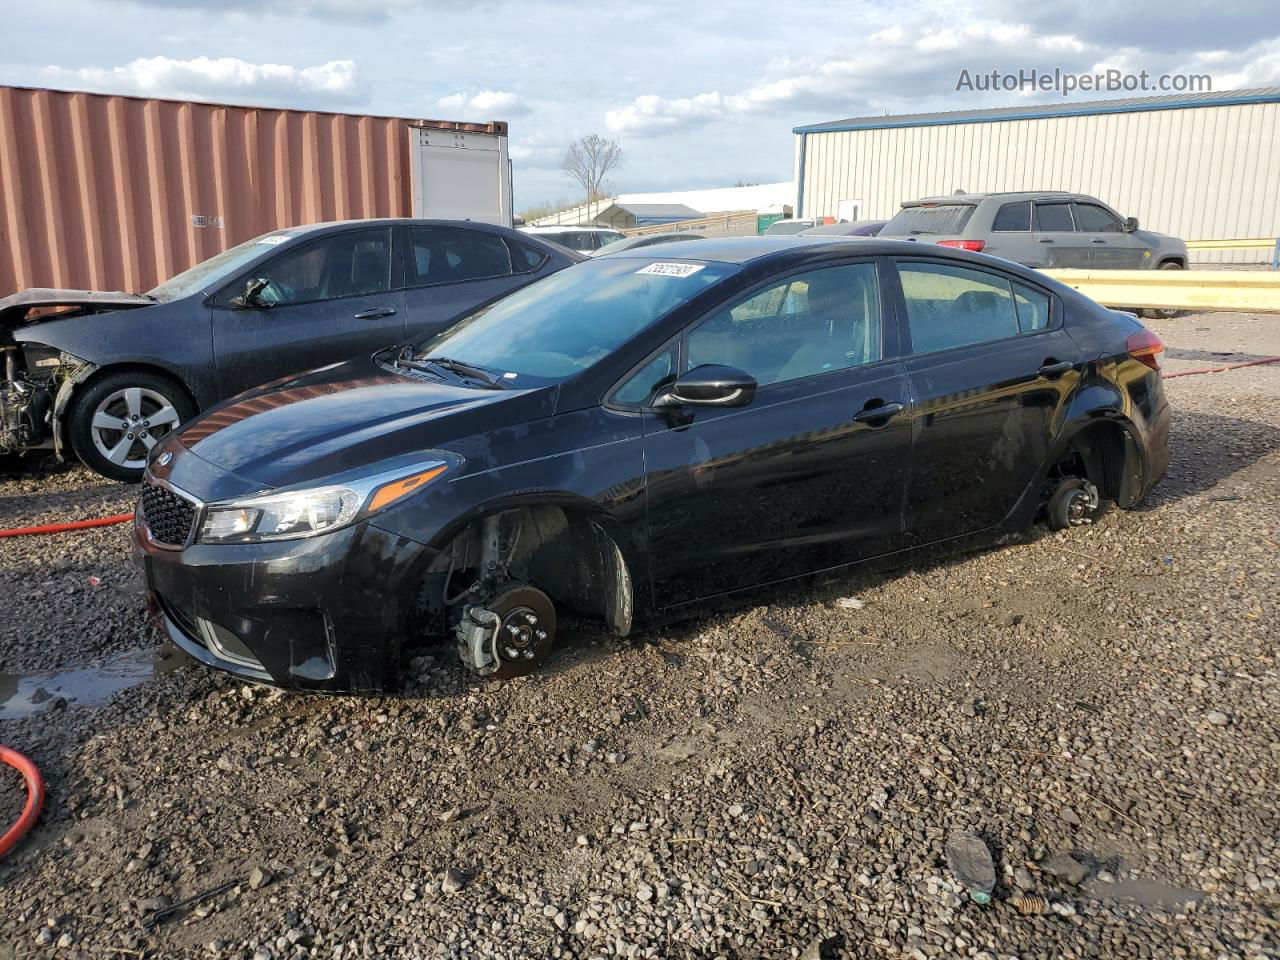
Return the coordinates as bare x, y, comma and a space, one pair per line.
1146, 347
974, 245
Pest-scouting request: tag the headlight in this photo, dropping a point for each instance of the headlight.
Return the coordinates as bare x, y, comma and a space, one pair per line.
38, 356
305, 512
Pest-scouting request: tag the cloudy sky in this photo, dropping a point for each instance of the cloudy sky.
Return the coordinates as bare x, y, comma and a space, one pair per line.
698, 94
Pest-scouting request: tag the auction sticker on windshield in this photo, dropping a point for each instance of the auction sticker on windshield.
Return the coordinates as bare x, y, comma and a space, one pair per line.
277, 238
672, 269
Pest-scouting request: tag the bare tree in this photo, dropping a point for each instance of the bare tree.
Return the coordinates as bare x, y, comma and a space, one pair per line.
588, 161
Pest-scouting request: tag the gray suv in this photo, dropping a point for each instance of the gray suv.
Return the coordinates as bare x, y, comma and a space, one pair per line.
1042, 228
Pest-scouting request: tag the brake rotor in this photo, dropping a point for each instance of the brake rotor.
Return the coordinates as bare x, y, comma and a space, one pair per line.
1073, 504
526, 630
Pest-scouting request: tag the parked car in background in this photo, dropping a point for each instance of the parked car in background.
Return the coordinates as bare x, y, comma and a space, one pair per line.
646, 240
638, 435
582, 239
110, 374
1040, 228
846, 228
786, 228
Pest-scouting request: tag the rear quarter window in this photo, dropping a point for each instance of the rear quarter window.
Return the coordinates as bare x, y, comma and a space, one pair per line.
944, 218
1013, 217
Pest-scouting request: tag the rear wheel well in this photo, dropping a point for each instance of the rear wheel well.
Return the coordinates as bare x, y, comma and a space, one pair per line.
1106, 455
562, 551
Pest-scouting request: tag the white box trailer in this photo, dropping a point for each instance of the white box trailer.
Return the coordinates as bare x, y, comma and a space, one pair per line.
461, 174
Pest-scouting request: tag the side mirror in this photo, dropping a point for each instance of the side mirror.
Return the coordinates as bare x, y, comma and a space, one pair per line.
252, 290
710, 385
1130, 224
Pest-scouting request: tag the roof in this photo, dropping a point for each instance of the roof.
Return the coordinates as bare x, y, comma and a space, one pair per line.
657, 210
1082, 109
974, 198
498, 127
739, 250
567, 228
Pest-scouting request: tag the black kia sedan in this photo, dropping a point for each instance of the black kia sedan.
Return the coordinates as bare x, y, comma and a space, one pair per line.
110, 374
637, 435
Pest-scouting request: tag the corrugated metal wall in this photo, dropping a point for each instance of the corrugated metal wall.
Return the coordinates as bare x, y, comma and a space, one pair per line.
119, 193
1207, 173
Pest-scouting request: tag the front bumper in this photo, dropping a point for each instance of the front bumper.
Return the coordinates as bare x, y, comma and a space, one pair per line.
325, 613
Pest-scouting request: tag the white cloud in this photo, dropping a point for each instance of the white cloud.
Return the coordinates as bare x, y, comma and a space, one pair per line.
898, 65
335, 82
488, 104
367, 11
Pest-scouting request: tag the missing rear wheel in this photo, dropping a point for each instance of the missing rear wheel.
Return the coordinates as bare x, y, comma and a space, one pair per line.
1075, 503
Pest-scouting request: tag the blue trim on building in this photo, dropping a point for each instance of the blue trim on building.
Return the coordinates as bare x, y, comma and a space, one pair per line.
804, 142
1045, 113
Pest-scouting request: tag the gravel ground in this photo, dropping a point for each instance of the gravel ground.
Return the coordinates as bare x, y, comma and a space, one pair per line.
1102, 707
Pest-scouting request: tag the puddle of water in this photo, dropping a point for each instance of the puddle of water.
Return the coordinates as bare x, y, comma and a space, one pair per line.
25, 694
1148, 893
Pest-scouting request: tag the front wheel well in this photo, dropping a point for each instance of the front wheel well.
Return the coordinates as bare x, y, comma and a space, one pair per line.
1180, 262
563, 551
146, 368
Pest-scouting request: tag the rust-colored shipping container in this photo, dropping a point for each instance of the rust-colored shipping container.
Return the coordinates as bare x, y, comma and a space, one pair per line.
119, 193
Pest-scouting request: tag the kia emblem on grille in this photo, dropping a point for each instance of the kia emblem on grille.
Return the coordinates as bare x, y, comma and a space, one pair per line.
164, 458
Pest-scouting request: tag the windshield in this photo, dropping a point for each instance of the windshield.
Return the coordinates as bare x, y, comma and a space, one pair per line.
935, 219
567, 322
216, 268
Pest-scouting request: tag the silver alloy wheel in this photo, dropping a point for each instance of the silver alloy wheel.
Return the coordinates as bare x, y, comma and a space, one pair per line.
129, 422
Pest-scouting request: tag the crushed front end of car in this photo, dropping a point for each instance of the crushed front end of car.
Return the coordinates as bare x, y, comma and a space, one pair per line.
36, 379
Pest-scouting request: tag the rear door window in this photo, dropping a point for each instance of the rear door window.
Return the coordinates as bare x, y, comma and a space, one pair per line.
1013, 217
452, 255
950, 306
1054, 218
943, 218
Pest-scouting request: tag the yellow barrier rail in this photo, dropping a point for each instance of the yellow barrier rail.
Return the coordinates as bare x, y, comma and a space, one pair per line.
1259, 243
1246, 291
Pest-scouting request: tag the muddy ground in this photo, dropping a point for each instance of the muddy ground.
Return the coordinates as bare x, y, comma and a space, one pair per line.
1101, 706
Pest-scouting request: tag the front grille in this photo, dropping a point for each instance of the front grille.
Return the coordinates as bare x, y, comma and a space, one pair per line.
168, 516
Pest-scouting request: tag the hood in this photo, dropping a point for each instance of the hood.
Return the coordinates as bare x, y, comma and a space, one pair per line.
347, 417
71, 320
16, 309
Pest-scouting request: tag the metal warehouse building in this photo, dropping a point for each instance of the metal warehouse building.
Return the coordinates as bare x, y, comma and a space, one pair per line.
1199, 166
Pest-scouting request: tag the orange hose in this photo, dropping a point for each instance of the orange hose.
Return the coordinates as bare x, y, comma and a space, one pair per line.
63, 527
1229, 366
35, 798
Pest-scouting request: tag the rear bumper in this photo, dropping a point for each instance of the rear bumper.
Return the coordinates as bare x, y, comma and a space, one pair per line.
325, 613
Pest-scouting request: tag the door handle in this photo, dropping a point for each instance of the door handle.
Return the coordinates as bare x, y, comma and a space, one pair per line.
1045, 240
1053, 369
1095, 240
374, 314
881, 412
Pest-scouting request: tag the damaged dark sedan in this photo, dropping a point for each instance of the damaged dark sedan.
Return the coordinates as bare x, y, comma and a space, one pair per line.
634, 437
108, 375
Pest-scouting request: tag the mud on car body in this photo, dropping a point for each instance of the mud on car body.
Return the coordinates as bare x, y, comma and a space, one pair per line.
634, 438
107, 375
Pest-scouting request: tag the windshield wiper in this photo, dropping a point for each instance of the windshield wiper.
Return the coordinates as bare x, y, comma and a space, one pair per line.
459, 368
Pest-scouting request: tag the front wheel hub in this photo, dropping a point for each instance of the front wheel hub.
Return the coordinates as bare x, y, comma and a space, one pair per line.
510, 634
